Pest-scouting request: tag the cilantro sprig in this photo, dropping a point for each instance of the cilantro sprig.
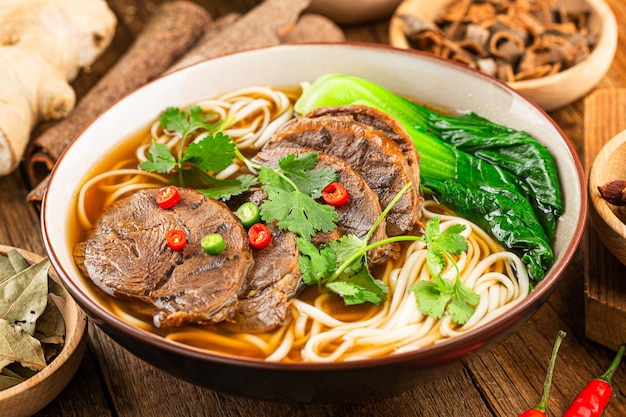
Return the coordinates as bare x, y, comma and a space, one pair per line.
194, 162
340, 266
291, 193
436, 297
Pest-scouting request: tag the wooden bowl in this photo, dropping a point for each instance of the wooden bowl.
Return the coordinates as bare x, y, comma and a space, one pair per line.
350, 12
30, 396
550, 92
607, 219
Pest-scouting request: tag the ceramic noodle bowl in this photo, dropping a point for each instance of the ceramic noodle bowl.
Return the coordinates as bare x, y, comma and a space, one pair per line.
413, 74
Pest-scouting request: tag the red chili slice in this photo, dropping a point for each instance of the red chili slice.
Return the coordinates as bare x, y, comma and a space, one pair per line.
168, 197
259, 236
335, 194
176, 239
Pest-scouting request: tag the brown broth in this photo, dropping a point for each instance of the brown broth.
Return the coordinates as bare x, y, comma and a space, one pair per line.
190, 334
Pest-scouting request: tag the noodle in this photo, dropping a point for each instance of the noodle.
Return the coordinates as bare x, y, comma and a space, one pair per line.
399, 326
313, 332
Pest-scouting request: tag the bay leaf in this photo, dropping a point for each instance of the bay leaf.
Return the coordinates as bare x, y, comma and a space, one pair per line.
55, 288
18, 346
9, 379
6, 268
50, 327
17, 260
18, 369
4, 363
23, 297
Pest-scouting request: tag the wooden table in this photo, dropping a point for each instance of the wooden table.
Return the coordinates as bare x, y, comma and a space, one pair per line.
501, 381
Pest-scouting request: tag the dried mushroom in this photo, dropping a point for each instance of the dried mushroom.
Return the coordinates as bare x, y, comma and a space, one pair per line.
511, 40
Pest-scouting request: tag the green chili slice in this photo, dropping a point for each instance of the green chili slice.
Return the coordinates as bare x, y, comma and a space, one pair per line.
249, 214
213, 243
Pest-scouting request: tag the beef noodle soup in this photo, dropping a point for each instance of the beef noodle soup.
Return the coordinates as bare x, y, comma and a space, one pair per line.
316, 324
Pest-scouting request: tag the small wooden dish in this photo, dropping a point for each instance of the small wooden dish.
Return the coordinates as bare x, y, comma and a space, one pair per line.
550, 92
607, 219
350, 12
30, 396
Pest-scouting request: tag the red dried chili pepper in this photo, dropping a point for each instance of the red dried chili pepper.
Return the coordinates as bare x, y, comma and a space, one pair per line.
541, 409
259, 236
335, 194
168, 197
593, 399
176, 239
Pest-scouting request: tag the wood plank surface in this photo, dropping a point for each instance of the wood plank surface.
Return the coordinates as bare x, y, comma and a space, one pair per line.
502, 380
605, 276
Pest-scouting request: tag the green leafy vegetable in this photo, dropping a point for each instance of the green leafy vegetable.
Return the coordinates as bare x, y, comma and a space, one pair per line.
195, 161
340, 266
473, 180
327, 268
175, 119
291, 192
436, 297
533, 166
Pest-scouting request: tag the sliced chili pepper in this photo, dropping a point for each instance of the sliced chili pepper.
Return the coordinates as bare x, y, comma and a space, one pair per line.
213, 243
249, 213
541, 409
593, 399
168, 197
259, 236
176, 239
335, 194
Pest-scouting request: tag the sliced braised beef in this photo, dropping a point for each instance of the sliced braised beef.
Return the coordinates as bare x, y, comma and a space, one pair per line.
378, 159
379, 120
273, 280
356, 217
126, 254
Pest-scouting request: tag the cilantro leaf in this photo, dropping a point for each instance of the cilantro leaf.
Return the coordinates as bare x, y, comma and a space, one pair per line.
345, 247
353, 294
463, 298
354, 284
436, 297
175, 119
450, 240
369, 289
272, 177
225, 189
430, 299
212, 153
160, 159
297, 212
291, 192
299, 170
315, 265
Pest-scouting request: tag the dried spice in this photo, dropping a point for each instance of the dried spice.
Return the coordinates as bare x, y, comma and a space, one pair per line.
614, 192
32, 330
512, 40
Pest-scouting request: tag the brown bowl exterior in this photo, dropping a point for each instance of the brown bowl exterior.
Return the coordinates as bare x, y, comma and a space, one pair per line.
449, 85
30, 396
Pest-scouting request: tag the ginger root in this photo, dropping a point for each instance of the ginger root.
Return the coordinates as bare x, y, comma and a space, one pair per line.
43, 45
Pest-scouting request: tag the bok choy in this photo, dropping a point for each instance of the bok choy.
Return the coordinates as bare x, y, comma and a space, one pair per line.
500, 178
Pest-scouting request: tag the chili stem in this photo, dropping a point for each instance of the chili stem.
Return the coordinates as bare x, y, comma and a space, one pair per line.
610, 371
543, 402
